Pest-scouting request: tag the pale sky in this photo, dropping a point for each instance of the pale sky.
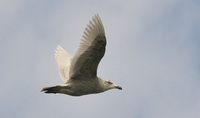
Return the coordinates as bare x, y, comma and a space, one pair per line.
152, 52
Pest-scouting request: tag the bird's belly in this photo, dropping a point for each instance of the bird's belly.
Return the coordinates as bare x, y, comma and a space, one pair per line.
84, 88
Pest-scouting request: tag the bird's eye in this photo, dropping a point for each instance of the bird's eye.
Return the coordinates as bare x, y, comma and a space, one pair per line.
109, 82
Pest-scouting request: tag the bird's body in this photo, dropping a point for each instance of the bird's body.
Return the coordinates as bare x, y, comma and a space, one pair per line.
79, 73
77, 88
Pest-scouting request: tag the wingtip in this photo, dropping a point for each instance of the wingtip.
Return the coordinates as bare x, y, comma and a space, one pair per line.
97, 14
58, 50
97, 17
94, 28
58, 46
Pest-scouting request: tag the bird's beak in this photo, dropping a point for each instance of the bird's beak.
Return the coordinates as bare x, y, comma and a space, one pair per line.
118, 87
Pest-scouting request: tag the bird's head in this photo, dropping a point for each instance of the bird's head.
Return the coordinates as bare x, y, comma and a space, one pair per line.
109, 85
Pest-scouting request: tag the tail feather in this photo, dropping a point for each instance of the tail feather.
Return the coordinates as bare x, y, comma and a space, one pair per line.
53, 89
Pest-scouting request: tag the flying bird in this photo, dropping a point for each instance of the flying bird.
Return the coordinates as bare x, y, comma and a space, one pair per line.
79, 73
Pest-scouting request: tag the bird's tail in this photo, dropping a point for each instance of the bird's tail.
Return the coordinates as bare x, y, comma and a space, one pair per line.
53, 89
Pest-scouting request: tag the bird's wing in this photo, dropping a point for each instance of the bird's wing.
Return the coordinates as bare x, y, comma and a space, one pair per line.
63, 59
90, 51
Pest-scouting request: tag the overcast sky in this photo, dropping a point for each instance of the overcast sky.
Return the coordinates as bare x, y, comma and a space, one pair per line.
153, 52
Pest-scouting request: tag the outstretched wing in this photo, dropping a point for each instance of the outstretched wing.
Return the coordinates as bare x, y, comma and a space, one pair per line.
91, 50
63, 59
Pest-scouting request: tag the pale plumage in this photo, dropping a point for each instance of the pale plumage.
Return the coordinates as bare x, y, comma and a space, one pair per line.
79, 74
63, 60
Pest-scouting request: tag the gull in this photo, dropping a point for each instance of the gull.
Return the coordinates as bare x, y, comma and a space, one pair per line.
79, 73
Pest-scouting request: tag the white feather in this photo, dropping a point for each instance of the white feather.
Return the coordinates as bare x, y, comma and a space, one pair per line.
63, 60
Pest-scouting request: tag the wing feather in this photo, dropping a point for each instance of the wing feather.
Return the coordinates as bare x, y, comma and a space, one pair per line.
90, 51
63, 60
